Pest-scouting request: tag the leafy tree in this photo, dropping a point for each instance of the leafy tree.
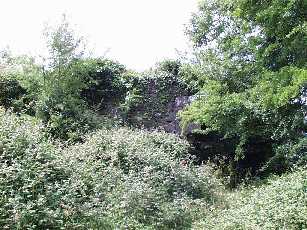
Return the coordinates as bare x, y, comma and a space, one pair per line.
61, 91
20, 82
283, 25
58, 102
64, 46
251, 73
105, 84
169, 66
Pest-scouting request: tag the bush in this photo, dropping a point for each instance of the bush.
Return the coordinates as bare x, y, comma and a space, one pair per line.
287, 156
30, 177
279, 204
10, 92
105, 85
297, 156
138, 179
119, 178
66, 120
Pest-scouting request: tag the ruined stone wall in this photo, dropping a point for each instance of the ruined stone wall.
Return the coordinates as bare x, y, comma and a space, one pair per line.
160, 98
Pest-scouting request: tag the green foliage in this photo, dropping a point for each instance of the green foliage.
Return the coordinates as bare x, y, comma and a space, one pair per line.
110, 181
11, 92
249, 76
251, 73
105, 84
284, 28
150, 94
31, 178
20, 82
252, 110
169, 66
53, 93
288, 156
64, 46
278, 204
140, 181
146, 181
60, 99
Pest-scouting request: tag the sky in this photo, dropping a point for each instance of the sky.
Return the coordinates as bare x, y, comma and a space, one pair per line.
137, 33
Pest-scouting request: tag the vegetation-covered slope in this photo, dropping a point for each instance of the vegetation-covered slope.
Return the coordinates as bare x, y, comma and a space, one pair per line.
75, 154
117, 178
122, 178
280, 203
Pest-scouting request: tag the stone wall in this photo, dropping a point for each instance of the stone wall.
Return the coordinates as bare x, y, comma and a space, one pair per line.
171, 122
160, 98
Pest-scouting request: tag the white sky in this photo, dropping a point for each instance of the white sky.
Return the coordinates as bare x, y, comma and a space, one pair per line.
137, 33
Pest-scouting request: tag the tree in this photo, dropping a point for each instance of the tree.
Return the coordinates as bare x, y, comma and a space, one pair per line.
251, 75
63, 44
60, 104
66, 50
105, 84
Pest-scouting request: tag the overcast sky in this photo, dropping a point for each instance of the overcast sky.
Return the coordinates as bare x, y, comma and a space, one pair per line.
137, 33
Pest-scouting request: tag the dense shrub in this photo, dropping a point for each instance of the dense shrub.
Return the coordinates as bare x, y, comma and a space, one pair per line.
55, 93
10, 92
16, 73
63, 168
30, 176
288, 156
141, 180
278, 204
105, 84
297, 155
118, 178
68, 118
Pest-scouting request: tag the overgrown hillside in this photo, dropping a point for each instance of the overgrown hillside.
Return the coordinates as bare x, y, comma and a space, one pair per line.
122, 178
118, 178
216, 141
279, 203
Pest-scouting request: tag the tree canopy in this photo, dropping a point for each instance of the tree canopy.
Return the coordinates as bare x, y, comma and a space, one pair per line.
252, 71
